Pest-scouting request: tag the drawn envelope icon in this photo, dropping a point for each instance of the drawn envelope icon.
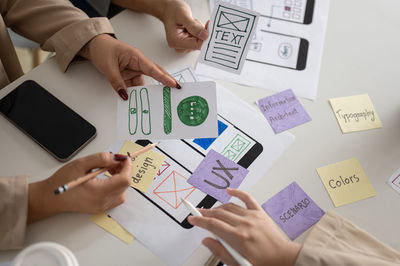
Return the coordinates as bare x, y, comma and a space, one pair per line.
233, 22
238, 145
173, 189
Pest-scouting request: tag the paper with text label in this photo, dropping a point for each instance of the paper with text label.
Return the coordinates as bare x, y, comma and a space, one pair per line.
215, 174
293, 210
231, 30
283, 111
346, 182
145, 166
355, 113
394, 181
286, 51
159, 112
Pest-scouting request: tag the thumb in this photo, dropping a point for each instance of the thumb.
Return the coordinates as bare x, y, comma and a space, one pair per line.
195, 28
117, 82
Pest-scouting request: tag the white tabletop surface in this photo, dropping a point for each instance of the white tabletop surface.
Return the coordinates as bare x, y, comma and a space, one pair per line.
361, 55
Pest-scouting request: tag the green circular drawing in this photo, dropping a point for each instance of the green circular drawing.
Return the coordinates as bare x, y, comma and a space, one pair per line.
193, 110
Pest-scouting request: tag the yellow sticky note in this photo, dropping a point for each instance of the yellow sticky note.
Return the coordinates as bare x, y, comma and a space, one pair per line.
145, 166
112, 226
346, 182
355, 113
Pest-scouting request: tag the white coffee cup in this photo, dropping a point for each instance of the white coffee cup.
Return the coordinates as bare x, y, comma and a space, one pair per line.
45, 254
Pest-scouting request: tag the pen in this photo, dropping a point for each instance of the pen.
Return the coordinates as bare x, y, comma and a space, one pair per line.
83, 179
239, 258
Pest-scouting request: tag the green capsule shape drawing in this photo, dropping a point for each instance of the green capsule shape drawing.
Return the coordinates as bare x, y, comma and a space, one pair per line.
145, 111
167, 110
132, 113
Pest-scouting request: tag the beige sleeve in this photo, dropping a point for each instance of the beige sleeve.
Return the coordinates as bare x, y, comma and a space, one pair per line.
14, 210
56, 25
336, 241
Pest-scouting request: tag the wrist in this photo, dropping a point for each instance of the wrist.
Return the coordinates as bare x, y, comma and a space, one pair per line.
42, 202
87, 50
291, 253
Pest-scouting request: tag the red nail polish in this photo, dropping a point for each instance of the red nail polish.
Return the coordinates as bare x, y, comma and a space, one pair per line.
120, 157
123, 94
178, 86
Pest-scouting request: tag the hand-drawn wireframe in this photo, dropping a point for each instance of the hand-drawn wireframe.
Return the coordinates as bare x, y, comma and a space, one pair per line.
145, 110
163, 168
184, 75
167, 110
193, 110
231, 33
235, 147
173, 189
133, 113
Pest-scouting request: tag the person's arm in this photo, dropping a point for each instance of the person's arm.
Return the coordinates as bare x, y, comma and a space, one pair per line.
13, 209
332, 241
183, 32
336, 241
21, 203
58, 26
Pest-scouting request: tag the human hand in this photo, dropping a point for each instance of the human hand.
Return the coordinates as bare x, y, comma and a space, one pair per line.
184, 33
123, 65
249, 231
94, 196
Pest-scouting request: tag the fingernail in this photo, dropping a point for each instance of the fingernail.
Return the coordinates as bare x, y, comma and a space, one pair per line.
123, 94
178, 86
120, 157
112, 171
203, 34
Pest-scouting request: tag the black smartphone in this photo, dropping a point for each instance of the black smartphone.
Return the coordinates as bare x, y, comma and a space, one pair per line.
170, 185
280, 50
48, 121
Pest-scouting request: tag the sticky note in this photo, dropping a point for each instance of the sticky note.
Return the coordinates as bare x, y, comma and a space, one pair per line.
283, 111
355, 113
293, 210
215, 174
346, 182
394, 181
231, 31
145, 166
112, 226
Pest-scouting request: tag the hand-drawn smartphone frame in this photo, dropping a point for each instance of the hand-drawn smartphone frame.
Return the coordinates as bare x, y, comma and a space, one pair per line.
301, 56
208, 201
308, 14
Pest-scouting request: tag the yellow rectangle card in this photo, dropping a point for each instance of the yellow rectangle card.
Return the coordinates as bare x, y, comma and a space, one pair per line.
112, 226
346, 182
145, 166
355, 113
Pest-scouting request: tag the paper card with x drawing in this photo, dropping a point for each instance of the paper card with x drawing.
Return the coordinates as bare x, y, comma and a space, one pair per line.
158, 112
231, 30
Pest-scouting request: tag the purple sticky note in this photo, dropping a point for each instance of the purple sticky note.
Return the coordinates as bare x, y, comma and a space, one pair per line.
215, 174
293, 210
283, 111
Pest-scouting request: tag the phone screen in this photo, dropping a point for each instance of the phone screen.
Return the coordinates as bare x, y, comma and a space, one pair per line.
170, 185
279, 50
51, 123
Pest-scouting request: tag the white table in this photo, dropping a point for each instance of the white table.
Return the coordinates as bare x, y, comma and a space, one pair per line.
361, 56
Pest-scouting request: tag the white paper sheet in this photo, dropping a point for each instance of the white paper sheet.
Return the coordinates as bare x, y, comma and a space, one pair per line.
161, 112
159, 232
286, 51
394, 181
231, 30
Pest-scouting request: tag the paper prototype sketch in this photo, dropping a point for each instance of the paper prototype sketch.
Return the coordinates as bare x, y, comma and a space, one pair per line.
286, 51
154, 222
231, 29
159, 112
394, 181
